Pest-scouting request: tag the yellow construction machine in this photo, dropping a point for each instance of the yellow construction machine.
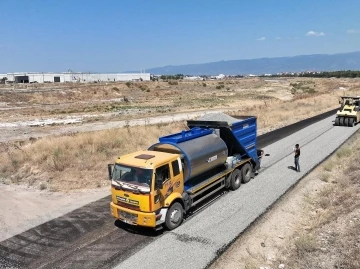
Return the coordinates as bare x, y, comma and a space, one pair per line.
349, 112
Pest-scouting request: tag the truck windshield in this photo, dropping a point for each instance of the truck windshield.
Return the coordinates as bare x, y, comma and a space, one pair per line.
133, 175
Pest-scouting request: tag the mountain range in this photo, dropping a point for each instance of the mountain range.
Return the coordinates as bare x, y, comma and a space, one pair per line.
301, 63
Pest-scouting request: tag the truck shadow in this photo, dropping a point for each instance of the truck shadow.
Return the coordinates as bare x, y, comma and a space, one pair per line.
138, 229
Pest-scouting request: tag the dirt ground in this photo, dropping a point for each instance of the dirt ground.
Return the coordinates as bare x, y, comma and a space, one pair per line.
32, 111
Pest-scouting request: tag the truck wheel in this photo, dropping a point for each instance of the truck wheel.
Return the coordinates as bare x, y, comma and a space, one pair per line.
174, 216
351, 122
337, 122
341, 121
246, 173
235, 180
346, 122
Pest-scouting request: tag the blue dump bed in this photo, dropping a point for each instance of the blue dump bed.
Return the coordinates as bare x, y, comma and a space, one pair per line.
185, 135
238, 134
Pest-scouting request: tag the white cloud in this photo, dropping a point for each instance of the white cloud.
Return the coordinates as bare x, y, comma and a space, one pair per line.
261, 38
353, 31
313, 33
278, 38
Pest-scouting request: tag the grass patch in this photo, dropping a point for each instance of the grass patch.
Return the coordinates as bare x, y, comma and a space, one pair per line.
329, 165
173, 82
305, 243
325, 177
343, 152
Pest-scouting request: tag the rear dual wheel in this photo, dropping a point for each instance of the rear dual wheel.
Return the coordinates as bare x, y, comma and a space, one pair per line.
246, 173
239, 176
235, 179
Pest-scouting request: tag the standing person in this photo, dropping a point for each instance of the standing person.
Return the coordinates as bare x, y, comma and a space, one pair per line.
260, 154
296, 157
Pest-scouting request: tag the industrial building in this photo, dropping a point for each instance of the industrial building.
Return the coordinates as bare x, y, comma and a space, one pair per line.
29, 77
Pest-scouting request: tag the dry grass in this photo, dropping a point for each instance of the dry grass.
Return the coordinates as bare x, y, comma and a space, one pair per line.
79, 160
75, 161
331, 237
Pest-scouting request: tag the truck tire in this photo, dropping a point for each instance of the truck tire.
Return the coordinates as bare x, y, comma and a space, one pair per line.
235, 180
346, 122
337, 121
174, 216
246, 173
341, 121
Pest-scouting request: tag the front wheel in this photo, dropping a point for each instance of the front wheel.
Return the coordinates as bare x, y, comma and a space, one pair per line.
174, 216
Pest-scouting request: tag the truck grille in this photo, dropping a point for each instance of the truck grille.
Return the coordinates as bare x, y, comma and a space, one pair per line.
133, 207
128, 216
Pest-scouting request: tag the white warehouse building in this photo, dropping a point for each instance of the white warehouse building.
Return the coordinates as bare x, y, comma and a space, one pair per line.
29, 77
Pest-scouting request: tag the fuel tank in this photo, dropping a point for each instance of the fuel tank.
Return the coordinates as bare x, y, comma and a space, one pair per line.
200, 149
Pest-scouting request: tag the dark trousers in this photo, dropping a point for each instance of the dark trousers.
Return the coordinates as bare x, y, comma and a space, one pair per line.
297, 165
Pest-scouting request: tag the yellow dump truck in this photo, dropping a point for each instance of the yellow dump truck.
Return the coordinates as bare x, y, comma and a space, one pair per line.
158, 186
349, 111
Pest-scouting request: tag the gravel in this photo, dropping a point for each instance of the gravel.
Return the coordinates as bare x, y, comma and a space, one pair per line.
201, 239
218, 117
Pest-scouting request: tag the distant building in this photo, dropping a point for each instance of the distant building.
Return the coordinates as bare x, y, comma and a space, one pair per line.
193, 78
29, 77
221, 76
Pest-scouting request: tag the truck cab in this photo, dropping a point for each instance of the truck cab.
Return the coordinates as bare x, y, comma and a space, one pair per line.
144, 184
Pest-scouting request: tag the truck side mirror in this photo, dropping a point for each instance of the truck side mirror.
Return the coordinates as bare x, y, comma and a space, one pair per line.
110, 170
158, 182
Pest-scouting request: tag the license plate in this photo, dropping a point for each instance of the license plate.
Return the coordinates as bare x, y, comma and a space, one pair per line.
126, 221
128, 217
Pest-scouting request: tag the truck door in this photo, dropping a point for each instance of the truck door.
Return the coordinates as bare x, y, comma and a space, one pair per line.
162, 172
177, 176
171, 176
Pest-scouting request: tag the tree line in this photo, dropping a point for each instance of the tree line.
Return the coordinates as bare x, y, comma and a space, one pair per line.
325, 74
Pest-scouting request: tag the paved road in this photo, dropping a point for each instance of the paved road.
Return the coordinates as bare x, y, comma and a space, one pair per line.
88, 238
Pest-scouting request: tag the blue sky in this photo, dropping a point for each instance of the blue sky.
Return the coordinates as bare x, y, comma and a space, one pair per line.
119, 35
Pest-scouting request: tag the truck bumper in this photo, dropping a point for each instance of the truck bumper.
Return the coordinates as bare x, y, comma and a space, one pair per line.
133, 217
